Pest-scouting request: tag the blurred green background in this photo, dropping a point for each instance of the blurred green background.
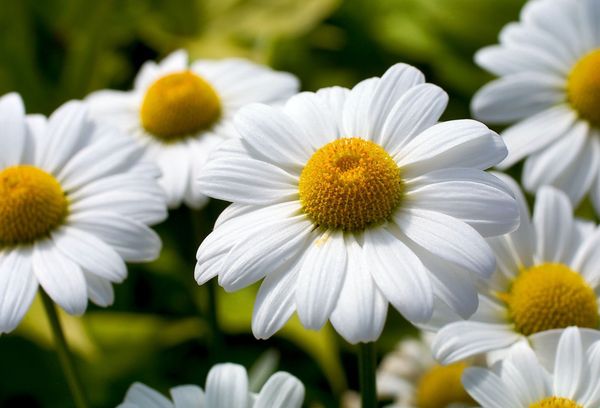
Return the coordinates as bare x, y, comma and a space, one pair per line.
55, 50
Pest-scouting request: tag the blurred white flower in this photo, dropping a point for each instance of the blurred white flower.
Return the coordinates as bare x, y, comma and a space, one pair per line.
548, 278
571, 380
413, 379
226, 387
550, 85
345, 200
180, 112
75, 203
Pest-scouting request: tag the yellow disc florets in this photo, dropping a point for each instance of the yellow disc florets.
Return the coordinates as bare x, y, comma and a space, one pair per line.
32, 203
555, 402
551, 296
350, 184
442, 386
584, 87
179, 105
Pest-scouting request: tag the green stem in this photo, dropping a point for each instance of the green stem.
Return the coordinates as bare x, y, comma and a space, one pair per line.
216, 337
366, 367
64, 355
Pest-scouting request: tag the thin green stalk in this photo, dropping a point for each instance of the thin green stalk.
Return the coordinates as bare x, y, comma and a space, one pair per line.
216, 337
366, 367
64, 355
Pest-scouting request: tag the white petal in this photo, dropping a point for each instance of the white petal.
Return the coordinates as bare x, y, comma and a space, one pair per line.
396, 81
132, 240
355, 119
568, 367
488, 389
473, 196
60, 277
100, 290
313, 114
399, 274
282, 390
272, 135
522, 372
269, 248
175, 61
553, 220
360, 313
275, 301
502, 60
12, 123
546, 343
227, 387
587, 259
536, 132
448, 238
578, 178
548, 165
418, 109
321, 278
457, 143
18, 286
175, 165
592, 397
90, 253
233, 176
188, 396
68, 131
143, 396
517, 96
460, 340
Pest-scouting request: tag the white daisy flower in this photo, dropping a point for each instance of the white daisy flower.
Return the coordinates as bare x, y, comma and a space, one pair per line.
550, 85
548, 278
347, 200
226, 387
180, 112
521, 381
75, 202
413, 379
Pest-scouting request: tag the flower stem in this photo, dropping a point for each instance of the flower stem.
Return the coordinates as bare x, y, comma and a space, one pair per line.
366, 367
64, 355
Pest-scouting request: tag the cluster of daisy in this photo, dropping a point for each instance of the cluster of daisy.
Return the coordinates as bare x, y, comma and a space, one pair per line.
342, 201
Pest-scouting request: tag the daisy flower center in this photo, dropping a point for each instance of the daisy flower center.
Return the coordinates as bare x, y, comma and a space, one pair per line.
551, 296
555, 402
178, 105
32, 203
442, 386
584, 87
350, 184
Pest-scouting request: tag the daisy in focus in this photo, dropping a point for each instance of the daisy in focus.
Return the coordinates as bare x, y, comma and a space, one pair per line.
345, 200
75, 204
571, 380
550, 85
180, 112
548, 278
226, 387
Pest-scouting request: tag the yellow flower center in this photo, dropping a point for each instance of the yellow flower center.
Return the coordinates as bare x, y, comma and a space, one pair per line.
32, 203
179, 105
555, 402
584, 87
350, 184
551, 296
442, 386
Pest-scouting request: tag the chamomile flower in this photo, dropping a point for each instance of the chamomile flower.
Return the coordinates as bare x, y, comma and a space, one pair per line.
413, 379
180, 112
346, 200
548, 278
572, 380
75, 203
226, 387
550, 85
